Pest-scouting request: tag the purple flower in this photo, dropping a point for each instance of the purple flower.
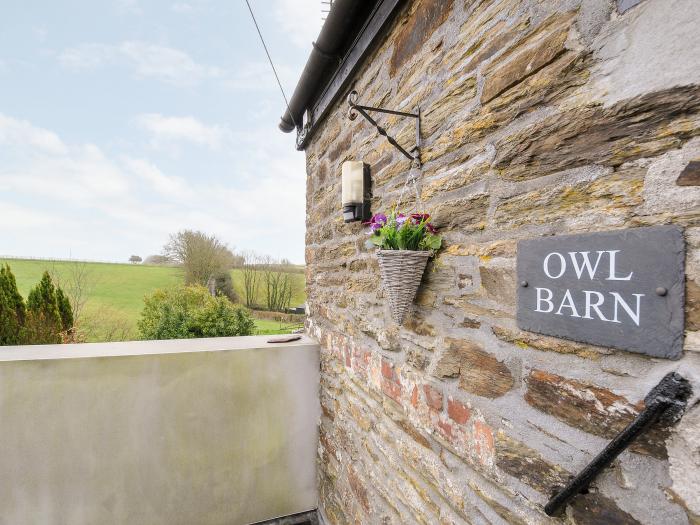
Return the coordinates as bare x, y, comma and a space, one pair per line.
377, 221
400, 219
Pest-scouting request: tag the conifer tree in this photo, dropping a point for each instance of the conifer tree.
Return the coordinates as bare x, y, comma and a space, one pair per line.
64, 310
44, 325
12, 309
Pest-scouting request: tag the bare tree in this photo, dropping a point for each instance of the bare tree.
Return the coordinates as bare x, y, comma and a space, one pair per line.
200, 255
251, 277
77, 281
278, 285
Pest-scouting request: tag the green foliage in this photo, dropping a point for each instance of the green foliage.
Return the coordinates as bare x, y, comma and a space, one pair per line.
400, 232
43, 323
64, 310
12, 309
223, 285
115, 297
200, 255
191, 312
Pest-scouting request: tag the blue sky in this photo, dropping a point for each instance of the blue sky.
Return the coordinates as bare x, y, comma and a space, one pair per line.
122, 121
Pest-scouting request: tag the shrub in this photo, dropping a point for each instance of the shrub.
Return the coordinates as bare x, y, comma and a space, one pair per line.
191, 312
43, 323
223, 285
12, 309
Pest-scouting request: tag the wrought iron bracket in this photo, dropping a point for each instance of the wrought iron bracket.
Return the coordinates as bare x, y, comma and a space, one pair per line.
665, 402
355, 109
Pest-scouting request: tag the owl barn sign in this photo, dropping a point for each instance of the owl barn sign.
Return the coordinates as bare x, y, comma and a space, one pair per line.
623, 289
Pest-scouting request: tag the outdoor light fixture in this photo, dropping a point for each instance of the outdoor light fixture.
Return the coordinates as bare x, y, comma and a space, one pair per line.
356, 194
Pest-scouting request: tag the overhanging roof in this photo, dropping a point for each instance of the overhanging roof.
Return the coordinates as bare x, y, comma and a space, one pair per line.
346, 38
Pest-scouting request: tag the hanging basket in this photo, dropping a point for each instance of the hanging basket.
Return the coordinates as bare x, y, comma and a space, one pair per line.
401, 272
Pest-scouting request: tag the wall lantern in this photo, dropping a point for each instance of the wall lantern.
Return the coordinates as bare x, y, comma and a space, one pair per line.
356, 191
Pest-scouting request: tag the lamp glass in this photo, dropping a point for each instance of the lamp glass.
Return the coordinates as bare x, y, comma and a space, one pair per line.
353, 182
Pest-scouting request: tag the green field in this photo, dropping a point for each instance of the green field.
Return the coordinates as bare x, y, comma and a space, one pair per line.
116, 292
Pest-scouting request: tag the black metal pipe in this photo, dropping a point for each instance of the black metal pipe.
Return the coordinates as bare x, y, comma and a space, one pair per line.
325, 54
646, 418
667, 399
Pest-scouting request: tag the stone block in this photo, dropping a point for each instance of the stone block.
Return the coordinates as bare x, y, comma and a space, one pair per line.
522, 462
528, 58
465, 214
479, 372
692, 305
359, 489
498, 284
644, 126
459, 93
615, 195
596, 509
592, 409
690, 176
453, 179
547, 344
411, 38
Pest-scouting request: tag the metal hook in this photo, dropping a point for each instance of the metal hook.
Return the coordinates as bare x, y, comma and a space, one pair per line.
356, 108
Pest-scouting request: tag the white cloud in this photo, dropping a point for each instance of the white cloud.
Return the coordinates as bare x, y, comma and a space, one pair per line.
182, 7
129, 7
23, 217
41, 33
164, 185
21, 133
187, 129
86, 56
300, 19
254, 76
164, 63
77, 197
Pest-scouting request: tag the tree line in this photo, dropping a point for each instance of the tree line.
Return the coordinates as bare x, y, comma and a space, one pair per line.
205, 305
208, 262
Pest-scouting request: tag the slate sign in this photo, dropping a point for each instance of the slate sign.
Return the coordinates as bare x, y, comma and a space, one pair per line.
624, 289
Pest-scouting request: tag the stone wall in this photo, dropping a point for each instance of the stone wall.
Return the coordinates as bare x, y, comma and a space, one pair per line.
541, 117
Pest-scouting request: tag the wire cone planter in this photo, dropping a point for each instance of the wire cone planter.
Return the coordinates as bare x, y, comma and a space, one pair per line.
401, 272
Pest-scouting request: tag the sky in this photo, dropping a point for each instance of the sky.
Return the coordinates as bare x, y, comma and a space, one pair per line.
124, 121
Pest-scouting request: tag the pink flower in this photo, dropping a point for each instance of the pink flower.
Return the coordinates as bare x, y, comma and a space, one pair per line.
417, 218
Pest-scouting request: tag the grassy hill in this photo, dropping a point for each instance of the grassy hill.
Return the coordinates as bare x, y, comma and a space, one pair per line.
117, 290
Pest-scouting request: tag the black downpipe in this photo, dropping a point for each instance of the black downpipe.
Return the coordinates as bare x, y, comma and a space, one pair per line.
325, 54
